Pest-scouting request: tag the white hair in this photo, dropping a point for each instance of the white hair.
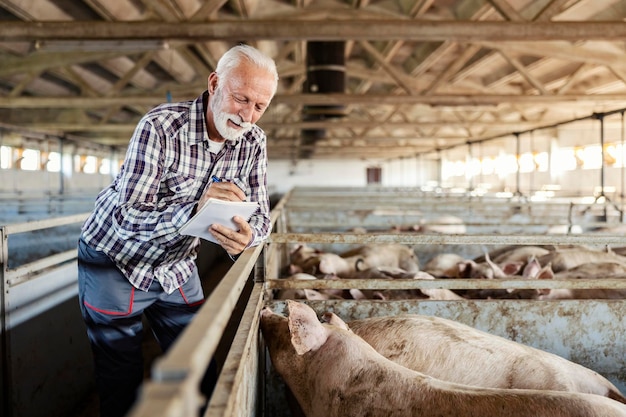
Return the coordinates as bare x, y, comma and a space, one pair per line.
233, 57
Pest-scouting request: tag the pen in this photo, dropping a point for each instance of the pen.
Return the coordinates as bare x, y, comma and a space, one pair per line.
215, 179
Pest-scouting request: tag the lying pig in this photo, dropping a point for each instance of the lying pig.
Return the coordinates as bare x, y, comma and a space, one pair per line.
486, 269
531, 270
521, 253
469, 356
441, 263
564, 259
441, 294
300, 259
305, 293
383, 255
388, 272
446, 224
346, 264
332, 372
591, 270
301, 252
326, 264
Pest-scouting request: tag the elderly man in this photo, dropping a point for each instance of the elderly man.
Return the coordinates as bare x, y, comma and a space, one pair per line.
132, 258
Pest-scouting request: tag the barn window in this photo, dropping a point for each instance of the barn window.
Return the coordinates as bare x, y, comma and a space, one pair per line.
506, 164
473, 167
90, 164
591, 157
542, 161
105, 166
53, 164
29, 161
488, 166
526, 162
5, 157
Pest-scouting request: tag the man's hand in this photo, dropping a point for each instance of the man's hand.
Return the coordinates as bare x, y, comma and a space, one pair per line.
234, 242
223, 190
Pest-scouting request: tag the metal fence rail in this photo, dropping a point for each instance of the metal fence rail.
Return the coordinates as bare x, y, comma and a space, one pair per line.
28, 292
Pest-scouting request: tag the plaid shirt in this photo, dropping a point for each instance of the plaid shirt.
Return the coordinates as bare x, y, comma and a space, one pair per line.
168, 165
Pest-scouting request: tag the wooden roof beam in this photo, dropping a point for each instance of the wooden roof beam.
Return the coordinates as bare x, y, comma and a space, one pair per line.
451, 100
356, 29
85, 126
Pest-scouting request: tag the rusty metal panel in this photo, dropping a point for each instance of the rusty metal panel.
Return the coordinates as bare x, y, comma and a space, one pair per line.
442, 239
447, 283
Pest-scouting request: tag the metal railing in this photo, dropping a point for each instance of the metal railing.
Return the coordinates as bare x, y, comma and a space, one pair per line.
23, 297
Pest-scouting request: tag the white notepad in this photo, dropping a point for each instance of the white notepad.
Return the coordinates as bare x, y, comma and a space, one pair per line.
220, 212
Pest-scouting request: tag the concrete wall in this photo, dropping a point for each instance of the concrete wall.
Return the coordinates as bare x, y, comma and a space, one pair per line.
284, 175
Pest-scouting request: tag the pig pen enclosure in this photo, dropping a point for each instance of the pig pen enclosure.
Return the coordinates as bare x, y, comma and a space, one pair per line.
586, 331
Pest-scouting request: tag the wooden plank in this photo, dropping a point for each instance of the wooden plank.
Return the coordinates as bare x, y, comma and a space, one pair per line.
307, 30
190, 356
237, 390
471, 100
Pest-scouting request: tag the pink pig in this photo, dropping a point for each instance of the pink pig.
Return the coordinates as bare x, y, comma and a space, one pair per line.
455, 352
334, 373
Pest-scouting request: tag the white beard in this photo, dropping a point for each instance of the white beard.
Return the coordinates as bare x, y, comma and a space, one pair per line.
221, 118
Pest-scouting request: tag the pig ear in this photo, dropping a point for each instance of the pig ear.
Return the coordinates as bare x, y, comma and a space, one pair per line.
465, 268
512, 268
307, 333
532, 268
335, 320
499, 272
266, 312
545, 273
295, 249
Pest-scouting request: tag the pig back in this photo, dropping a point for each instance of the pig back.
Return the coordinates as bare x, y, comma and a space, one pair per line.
455, 352
565, 259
